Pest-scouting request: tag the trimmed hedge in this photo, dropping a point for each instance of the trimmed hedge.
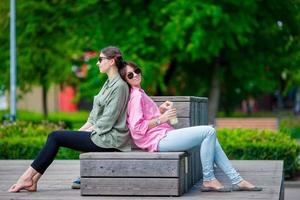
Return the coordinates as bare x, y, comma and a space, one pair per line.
24, 140
72, 120
249, 144
28, 148
28, 129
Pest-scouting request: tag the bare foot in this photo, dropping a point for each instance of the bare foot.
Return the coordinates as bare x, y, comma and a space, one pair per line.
32, 188
21, 184
213, 184
245, 184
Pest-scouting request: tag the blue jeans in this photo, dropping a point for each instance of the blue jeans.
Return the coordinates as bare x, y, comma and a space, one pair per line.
210, 151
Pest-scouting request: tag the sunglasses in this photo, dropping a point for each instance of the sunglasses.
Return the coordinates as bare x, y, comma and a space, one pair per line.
130, 75
102, 58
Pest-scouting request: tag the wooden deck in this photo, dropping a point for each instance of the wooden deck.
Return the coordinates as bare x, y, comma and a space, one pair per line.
55, 184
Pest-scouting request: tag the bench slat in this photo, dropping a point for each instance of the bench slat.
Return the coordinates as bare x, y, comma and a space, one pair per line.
129, 168
130, 186
178, 98
131, 155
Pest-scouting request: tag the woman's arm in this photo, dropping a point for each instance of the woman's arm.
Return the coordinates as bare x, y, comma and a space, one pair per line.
169, 114
137, 124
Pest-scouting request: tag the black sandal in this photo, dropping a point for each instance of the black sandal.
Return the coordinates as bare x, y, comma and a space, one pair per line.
236, 187
212, 189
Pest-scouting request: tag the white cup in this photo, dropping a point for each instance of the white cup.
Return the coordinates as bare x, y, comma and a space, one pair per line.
174, 121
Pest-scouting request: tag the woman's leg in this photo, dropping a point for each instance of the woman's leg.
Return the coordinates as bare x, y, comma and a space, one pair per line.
223, 162
186, 138
77, 140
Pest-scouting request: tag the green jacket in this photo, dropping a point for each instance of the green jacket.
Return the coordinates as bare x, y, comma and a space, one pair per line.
109, 116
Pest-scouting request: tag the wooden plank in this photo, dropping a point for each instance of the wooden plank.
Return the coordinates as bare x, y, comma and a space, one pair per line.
183, 176
130, 186
196, 115
204, 113
199, 99
132, 155
129, 168
170, 98
182, 123
189, 169
178, 98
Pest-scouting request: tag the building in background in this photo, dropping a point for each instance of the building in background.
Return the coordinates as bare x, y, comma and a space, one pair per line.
3, 99
61, 98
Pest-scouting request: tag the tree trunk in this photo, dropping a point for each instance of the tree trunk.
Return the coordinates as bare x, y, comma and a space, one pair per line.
167, 77
214, 96
44, 99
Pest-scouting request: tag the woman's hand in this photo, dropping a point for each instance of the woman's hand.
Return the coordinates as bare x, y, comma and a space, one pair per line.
90, 129
165, 106
86, 126
168, 114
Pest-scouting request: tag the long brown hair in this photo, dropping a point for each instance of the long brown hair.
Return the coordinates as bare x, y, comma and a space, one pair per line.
123, 71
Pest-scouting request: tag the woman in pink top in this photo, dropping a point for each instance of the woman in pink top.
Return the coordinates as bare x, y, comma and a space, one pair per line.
151, 131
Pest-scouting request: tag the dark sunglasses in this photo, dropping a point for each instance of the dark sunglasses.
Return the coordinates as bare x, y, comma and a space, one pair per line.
102, 58
130, 75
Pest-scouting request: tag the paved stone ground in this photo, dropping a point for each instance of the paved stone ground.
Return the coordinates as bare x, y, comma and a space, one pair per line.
292, 193
292, 188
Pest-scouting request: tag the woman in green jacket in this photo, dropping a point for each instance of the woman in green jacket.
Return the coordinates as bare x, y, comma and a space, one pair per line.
105, 129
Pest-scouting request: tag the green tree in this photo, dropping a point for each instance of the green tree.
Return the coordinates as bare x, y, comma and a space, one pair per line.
242, 46
227, 50
4, 40
43, 50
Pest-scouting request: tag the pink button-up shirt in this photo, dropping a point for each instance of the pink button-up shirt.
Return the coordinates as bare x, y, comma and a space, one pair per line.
141, 109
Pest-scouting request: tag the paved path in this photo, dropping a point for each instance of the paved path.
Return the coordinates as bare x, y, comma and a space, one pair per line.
251, 123
55, 184
292, 193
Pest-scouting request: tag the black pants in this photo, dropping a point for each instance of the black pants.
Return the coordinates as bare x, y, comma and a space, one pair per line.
77, 140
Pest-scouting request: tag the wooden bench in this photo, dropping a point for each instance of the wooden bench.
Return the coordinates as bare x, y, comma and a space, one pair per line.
144, 173
55, 182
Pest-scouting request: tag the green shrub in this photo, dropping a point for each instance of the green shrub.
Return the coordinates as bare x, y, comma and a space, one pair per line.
23, 140
28, 148
28, 129
249, 144
72, 120
80, 116
291, 126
